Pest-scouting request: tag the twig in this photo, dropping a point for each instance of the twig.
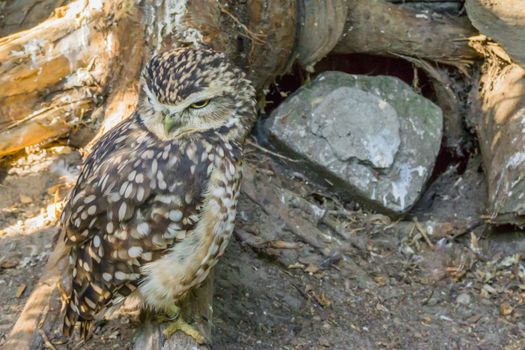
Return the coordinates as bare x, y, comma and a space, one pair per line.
424, 234
266, 150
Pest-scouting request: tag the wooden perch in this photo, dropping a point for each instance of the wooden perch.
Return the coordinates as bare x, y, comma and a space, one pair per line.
195, 308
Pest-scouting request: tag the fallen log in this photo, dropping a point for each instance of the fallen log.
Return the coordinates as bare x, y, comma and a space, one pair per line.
503, 21
499, 104
52, 76
380, 28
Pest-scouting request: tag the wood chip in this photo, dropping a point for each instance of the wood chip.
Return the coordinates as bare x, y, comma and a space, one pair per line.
321, 299
296, 266
21, 289
311, 268
9, 263
25, 199
284, 245
505, 309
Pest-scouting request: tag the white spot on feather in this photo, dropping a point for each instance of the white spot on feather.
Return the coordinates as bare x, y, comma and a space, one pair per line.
122, 211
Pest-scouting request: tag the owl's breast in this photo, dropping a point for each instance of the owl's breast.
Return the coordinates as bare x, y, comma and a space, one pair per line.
188, 262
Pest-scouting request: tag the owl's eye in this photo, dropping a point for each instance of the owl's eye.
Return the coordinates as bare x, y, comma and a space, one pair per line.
200, 104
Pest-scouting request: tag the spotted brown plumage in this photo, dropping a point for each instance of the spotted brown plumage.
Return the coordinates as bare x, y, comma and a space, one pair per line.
154, 205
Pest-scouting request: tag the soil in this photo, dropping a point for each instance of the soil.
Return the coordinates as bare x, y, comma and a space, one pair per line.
370, 283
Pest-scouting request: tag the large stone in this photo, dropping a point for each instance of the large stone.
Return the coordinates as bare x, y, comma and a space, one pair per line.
372, 138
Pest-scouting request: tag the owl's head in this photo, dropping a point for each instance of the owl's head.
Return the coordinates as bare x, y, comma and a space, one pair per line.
196, 90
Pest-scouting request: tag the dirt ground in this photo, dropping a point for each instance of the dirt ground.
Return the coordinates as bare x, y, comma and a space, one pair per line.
441, 281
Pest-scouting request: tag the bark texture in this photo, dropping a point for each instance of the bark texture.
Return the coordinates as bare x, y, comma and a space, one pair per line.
500, 105
503, 21
380, 28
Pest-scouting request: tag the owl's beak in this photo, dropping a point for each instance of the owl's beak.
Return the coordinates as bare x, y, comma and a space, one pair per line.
170, 123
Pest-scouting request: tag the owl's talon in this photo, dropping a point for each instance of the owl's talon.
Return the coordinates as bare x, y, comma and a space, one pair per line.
180, 325
173, 312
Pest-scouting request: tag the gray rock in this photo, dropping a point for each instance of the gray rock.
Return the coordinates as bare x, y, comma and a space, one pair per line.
373, 138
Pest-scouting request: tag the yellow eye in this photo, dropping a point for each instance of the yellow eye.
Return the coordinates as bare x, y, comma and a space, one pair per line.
200, 104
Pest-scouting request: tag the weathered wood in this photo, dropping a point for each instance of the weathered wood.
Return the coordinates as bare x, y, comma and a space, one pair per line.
500, 106
16, 16
503, 21
268, 197
499, 103
60, 68
379, 28
321, 24
45, 124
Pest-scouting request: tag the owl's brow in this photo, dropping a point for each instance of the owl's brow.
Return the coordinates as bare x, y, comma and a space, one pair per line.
207, 94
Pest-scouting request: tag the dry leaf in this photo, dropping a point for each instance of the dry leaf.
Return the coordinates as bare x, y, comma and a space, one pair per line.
380, 280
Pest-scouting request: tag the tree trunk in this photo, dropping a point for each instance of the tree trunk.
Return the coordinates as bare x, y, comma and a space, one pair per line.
80, 69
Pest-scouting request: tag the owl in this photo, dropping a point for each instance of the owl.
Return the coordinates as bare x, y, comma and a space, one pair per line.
154, 206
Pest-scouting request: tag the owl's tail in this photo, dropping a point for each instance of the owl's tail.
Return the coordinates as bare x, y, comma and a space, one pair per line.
71, 318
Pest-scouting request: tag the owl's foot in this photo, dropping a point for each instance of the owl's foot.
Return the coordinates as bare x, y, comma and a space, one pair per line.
176, 323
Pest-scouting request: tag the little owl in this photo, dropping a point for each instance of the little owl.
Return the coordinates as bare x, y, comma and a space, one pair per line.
154, 205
